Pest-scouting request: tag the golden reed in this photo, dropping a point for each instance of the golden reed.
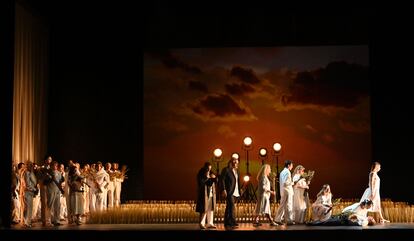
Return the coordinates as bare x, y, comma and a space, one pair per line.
149, 211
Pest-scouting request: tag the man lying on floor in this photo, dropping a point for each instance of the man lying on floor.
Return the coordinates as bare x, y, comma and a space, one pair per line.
354, 215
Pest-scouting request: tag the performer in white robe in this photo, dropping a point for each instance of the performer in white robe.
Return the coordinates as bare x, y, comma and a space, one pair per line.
109, 197
359, 213
44, 182
90, 180
285, 209
299, 203
54, 193
76, 194
64, 209
36, 199
30, 190
263, 197
16, 190
373, 191
101, 179
86, 199
118, 180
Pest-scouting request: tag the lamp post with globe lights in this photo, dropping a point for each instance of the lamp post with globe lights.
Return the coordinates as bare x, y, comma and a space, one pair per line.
218, 158
247, 145
277, 149
263, 155
249, 193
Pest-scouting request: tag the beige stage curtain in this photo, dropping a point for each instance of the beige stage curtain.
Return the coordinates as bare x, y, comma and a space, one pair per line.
30, 87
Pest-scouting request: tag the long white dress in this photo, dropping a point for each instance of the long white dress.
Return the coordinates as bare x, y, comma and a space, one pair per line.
299, 203
374, 188
320, 208
263, 198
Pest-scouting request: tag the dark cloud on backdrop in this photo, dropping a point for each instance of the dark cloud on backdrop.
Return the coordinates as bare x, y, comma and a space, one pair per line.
239, 89
338, 84
244, 75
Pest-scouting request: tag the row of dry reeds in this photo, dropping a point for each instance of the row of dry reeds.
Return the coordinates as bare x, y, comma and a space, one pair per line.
146, 211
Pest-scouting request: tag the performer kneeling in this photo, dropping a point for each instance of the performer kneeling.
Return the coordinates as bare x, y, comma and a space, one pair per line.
322, 207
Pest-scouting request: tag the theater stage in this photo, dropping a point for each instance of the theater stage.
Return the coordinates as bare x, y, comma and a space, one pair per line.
246, 231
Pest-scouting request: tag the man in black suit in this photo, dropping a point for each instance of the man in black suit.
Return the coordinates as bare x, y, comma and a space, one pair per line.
230, 182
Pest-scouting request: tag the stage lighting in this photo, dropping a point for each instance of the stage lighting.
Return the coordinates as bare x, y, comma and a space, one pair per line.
235, 155
246, 178
218, 158
247, 141
263, 155
217, 153
263, 152
277, 147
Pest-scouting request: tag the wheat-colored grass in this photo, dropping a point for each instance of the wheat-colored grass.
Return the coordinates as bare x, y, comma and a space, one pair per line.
146, 211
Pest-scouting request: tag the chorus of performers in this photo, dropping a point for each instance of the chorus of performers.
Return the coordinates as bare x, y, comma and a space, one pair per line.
52, 193
294, 200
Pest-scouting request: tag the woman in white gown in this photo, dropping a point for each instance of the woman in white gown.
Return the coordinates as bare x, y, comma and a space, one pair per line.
373, 191
299, 203
263, 197
322, 207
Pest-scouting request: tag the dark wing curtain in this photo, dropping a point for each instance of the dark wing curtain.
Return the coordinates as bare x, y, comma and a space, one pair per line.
30, 87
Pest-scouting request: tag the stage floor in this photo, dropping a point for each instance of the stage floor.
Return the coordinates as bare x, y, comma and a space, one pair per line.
220, 227
246, 231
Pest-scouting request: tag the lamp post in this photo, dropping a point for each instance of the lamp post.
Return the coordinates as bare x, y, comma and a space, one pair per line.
247, 146
263, 155
217, 158
277, 148
249, 193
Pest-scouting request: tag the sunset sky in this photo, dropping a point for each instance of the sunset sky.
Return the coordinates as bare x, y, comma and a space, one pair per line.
314, 100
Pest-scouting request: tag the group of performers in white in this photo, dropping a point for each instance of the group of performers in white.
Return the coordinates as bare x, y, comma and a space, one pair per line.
52, 193
293, 204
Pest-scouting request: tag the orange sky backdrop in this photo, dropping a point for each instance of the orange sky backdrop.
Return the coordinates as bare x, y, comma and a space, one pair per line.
315, 101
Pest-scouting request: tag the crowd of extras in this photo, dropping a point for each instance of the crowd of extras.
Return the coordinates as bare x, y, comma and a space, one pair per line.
54, 194
294, 198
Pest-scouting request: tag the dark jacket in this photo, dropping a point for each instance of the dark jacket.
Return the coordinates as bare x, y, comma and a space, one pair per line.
204, 185
228, 180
